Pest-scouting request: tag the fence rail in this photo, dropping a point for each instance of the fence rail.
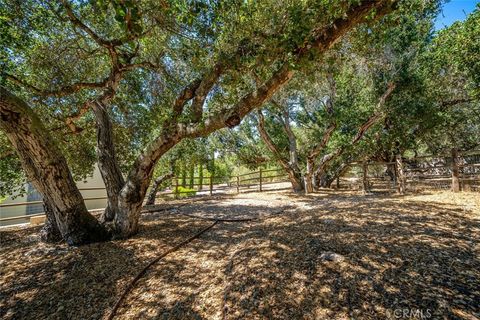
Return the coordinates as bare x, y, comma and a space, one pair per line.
456, 171
459, 170
212, 185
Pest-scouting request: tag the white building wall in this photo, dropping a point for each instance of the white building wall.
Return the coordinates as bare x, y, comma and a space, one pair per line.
92, 182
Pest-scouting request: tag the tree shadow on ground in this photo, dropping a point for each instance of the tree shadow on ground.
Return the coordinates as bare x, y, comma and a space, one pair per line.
54, 281
398, 255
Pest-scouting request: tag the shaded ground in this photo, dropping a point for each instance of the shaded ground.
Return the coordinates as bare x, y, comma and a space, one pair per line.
419, 254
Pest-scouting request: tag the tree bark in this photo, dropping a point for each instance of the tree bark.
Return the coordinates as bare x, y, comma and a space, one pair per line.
156, 184
107, 160
310, 175
313, 154
47, 169
133, 193
49, 231
321, 168
295, 174
365, 185
373, 119
400, 174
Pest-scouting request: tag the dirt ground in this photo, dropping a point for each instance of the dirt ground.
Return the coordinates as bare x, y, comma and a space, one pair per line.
410, 257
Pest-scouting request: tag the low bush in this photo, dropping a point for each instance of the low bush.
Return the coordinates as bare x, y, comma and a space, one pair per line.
182, 192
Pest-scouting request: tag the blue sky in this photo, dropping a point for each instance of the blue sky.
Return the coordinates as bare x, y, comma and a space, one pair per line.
454, 11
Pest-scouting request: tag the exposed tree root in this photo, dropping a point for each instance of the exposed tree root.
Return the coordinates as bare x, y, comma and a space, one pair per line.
217, 219
232, 220
132, 283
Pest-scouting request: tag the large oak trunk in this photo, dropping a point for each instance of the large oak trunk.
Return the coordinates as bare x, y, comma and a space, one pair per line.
50, 231
296, 180
47, 169
130, 198
309, 176
107, 161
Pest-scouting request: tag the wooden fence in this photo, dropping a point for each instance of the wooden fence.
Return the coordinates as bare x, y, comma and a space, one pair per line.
456, 171
251, 181
209, 185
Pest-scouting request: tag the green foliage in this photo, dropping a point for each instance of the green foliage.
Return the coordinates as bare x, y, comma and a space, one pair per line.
178, 40
182, 192
12, 179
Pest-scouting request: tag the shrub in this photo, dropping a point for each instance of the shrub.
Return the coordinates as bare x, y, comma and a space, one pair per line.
182, 192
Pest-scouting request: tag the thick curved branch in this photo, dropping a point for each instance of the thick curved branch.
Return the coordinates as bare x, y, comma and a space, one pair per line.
290, 167
292, 139
156, 184
207, 83
329, 108
450, 103
376, 116
269, 142
321, 40
231, 117
324, 38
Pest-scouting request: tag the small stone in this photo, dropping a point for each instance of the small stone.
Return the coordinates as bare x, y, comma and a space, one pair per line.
332, 256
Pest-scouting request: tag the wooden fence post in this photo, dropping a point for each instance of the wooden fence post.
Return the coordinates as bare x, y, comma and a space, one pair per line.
238, 184
401, 176
455, 171
211, 184
176, 187
260, 175
191, 182
395, 176
200, 176
365, 177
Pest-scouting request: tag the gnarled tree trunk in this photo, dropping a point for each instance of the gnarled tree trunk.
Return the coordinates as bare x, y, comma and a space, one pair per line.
327, 178
309, 175
47, 169
107, 161
313, 154
133, 192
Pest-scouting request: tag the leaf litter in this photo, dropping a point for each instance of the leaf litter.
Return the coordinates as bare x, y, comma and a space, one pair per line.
323, 256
